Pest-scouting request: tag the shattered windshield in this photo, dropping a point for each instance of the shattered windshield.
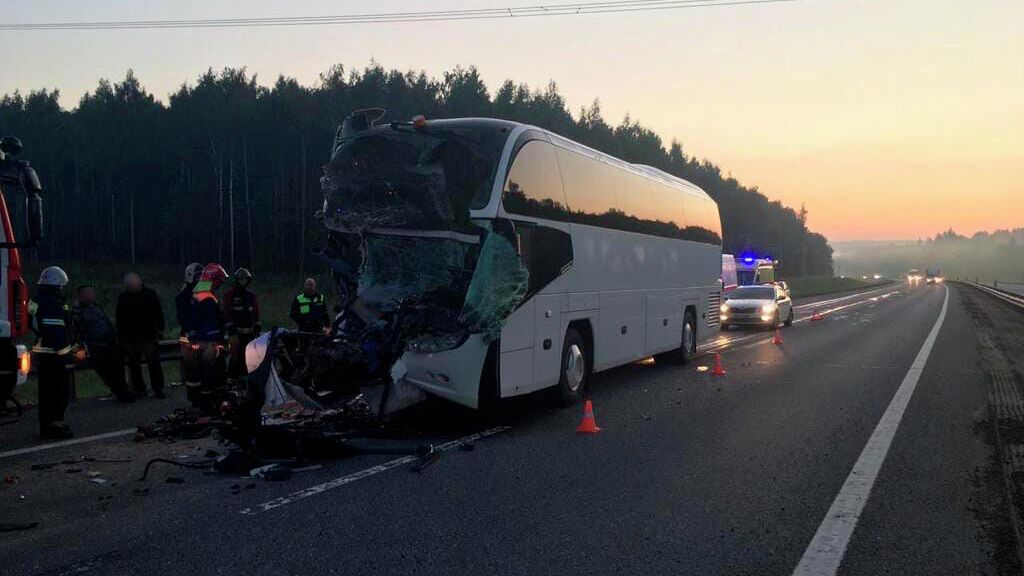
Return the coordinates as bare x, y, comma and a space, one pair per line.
399, 267
404, 178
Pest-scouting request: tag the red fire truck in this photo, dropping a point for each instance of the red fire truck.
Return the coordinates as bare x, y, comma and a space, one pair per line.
20, 215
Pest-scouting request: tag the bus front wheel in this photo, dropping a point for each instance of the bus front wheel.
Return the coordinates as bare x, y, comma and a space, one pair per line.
572, 381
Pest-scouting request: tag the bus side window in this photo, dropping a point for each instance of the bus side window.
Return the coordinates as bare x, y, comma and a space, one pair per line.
546, 253
534, 184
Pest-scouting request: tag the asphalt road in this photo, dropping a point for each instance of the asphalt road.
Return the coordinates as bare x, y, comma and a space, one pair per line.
691, 474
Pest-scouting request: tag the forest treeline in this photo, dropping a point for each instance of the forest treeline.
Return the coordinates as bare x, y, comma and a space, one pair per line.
229, 169
985, 256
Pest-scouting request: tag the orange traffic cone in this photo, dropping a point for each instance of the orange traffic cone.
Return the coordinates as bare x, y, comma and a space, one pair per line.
718, 370
815, 317
778, 337
588, 425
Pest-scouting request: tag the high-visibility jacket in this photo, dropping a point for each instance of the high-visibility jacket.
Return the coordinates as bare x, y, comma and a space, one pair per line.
241, 311
51, 322
310, 312
206, 323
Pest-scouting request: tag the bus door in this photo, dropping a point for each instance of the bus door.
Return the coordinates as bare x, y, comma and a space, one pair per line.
547, 253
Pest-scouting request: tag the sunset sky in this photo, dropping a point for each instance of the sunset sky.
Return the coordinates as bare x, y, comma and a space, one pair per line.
889, 119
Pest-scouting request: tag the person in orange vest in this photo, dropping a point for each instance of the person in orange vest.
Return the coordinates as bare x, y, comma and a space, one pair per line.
206, 335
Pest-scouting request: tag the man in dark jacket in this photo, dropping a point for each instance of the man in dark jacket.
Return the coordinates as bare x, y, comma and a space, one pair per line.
53, 351
95, 332
309, 309
140, 325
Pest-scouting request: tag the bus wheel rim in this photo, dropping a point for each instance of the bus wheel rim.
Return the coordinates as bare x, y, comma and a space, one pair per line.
574, 367
687, 337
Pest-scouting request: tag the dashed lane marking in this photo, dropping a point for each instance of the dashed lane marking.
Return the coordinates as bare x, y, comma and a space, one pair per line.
826, 550
365, 473
840, 299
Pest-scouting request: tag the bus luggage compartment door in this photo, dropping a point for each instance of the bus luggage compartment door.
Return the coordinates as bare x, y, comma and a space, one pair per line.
547, 350
516, 363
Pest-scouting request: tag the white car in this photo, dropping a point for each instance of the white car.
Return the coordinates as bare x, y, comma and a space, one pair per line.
764, 305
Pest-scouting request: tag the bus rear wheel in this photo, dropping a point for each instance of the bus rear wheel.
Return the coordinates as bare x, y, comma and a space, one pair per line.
575, 372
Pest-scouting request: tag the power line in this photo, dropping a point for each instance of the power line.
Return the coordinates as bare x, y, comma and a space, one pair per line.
580, 8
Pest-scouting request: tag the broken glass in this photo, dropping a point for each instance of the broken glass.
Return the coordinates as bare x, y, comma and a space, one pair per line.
399, 178
399, 267
498, 286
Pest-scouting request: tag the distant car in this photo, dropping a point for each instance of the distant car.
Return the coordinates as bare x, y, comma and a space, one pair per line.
763, 305
932, 276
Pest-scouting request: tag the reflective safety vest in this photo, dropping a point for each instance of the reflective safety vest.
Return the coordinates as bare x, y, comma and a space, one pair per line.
306, 303
50, 323
310, 313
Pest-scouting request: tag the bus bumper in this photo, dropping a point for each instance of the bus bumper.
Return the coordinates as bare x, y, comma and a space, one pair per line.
453, 374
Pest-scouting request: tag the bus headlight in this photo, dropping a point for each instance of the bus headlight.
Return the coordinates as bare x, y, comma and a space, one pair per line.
431, 343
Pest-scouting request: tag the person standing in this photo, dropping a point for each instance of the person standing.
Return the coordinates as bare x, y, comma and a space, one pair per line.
53, 351
140, 325
241, 319
309, 309
206, 336
189, 365
95, 332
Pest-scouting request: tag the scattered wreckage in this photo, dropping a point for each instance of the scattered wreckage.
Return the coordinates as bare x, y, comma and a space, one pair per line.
418, 277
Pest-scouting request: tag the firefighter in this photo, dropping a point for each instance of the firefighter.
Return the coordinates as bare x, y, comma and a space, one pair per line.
206, 336
309, 309
53, 351
183, 311
241, 319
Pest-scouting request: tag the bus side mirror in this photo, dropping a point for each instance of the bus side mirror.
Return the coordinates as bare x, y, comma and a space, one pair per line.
34, 217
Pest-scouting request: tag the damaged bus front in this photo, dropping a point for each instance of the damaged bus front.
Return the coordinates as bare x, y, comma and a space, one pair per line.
442, 281
485, 259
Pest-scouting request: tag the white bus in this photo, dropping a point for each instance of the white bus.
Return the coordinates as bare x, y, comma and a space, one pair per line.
610, 262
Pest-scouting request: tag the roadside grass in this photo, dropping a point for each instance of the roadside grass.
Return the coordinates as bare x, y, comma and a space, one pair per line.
802, 287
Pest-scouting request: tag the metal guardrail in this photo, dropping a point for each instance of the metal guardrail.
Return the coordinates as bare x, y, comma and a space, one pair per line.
1004, 295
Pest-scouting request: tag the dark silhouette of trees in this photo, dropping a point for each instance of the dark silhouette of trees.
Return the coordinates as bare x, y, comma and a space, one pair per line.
229, 170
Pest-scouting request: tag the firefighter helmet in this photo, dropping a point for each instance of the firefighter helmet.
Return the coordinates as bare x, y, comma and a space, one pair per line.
53, 276
11, 145
192, 272
243, 273
214, 274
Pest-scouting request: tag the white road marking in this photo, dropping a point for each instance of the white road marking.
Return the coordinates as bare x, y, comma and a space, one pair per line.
840, 299
63, 443
826, 550
723, 343
365, 473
